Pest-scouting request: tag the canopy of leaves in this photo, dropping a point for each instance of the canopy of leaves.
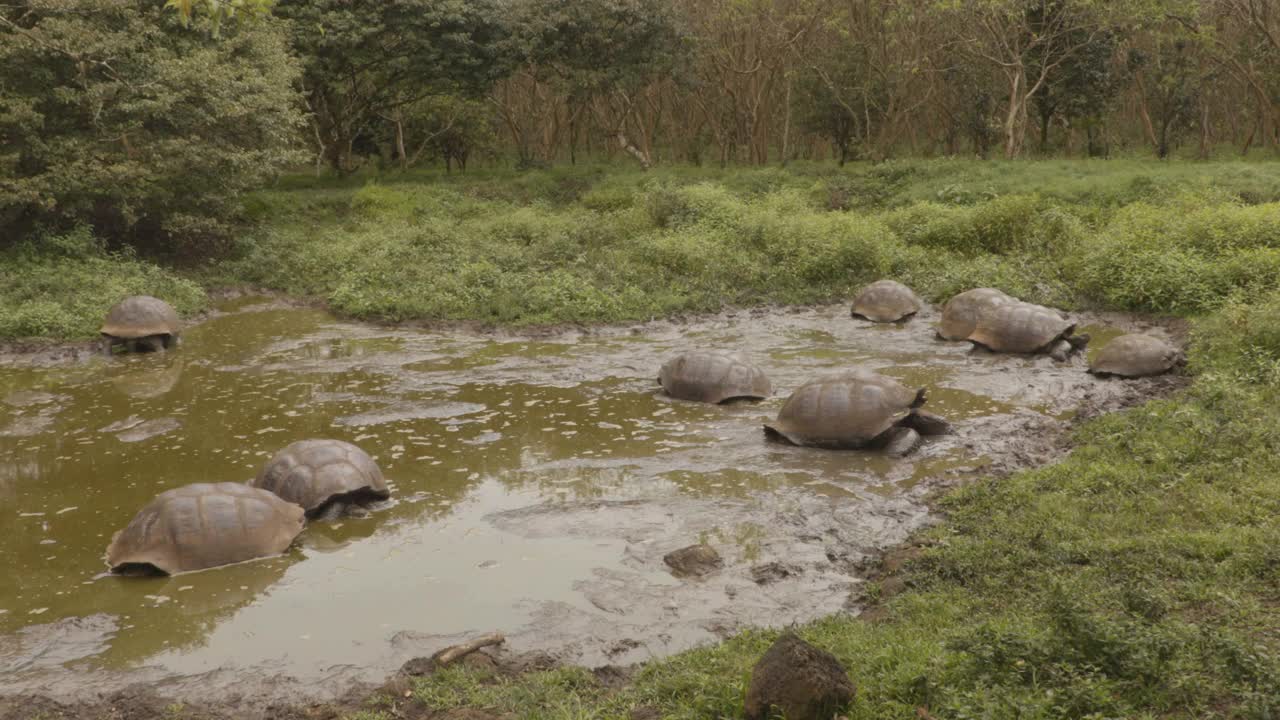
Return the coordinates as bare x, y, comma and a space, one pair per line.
113, 115
600, 46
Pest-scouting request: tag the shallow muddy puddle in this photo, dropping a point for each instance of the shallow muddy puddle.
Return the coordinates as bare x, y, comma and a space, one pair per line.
537, 484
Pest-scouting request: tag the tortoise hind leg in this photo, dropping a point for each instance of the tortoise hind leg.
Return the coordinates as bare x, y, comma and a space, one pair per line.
898, 441
1060, 350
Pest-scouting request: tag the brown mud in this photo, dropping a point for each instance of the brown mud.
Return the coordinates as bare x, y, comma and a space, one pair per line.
539, 481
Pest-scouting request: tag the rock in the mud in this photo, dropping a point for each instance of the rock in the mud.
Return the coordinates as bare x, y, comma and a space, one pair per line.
797, 681
422, 666
771, 572
693, 561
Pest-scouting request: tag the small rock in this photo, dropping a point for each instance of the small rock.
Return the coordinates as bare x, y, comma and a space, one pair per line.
418, 667
772, 572
695, 560
798, 681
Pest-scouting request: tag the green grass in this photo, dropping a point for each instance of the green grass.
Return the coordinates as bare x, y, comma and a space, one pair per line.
593, 244
583, 245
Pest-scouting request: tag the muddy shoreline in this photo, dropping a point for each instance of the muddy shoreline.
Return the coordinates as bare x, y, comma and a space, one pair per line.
835, 544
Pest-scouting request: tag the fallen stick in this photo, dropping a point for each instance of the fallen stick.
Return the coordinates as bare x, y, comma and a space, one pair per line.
454, 652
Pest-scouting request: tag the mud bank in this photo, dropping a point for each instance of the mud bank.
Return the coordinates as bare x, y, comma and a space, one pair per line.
540, 479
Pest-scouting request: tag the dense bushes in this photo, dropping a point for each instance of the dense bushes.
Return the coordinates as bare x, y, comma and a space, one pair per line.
114, 116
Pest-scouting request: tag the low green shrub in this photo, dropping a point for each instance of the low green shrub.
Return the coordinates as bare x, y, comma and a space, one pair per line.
63, 286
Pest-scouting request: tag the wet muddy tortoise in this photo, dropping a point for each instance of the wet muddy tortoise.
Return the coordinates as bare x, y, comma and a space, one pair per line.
960, 314
713, 377
854, 410
328, 478
1136, 355
141, 323
1022, 327
886, 301
202, 526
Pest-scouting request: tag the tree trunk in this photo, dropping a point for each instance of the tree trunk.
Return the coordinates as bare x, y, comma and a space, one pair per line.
1044, 131
1011, 142
786, 124
635, 152
404, 157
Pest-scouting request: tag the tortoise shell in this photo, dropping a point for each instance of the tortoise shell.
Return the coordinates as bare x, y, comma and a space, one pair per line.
960, 314
1136, 355
1020, 327
886, 301
848, 410
141, 316
202, 526
713, 377
314, 473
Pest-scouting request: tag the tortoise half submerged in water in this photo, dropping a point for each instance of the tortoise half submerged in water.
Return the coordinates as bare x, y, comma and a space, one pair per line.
328, 478
856, 409
1136, 355
1021, 327
202, 526
886, 301
713, 377
960, 314
141, 323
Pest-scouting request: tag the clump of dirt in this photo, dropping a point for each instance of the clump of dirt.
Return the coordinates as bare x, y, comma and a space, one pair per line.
693, 561
798, 681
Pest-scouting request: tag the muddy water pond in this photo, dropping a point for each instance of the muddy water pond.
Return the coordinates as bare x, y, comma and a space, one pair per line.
538, 481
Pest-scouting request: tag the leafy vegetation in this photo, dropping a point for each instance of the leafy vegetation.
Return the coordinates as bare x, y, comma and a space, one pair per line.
115, 117
587, 246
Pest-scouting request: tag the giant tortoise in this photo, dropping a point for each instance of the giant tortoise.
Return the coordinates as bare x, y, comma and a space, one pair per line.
328, 478
855, 409
141, 323
886, 301
713, 377
1136, 355
1022, 327
202, 526
960, 314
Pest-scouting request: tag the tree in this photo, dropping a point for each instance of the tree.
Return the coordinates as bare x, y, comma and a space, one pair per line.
115, 116
445, 128
1168, 84
604, 55
364, 60
1025, 41
1081, 89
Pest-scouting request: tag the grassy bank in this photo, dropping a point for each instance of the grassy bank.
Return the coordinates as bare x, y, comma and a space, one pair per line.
581, 245
595, 245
